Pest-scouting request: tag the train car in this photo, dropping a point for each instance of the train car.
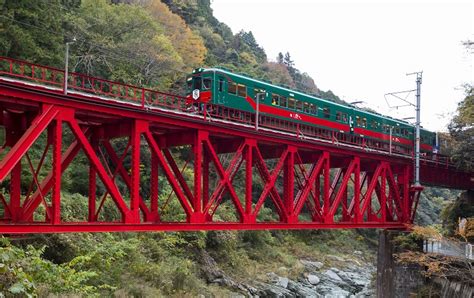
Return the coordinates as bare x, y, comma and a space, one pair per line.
222, 87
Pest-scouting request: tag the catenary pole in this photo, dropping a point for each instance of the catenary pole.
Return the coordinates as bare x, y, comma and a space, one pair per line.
419, 76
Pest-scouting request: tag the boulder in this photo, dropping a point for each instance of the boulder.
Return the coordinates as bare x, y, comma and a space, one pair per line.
274, 291
313, 279
282, 282
332, 276
311, 265
302, 290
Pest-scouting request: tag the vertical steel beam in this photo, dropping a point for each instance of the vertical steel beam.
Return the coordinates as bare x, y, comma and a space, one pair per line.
197, 196
289, 185
137, 128
248, 177
326, 188
92, 182
56, 192
205, 181
15, 192
154, 189
357, 187
383, 194
317, 195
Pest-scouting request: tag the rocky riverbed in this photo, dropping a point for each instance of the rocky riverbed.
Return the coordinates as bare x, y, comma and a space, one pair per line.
335, 276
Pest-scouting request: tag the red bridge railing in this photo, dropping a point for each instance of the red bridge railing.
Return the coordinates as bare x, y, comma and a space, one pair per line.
144, 98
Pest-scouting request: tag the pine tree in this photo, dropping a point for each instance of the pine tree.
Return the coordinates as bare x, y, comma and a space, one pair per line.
287, 61
280, 58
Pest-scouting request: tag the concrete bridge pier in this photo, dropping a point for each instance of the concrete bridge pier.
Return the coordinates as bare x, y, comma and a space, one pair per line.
395, 280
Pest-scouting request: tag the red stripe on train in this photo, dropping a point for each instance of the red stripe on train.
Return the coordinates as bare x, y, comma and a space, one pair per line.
297, 116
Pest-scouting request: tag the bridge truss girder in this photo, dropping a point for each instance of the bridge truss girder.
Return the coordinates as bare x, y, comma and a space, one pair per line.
299, 188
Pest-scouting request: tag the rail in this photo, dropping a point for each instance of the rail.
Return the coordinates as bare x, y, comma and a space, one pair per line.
449, 248
144, 98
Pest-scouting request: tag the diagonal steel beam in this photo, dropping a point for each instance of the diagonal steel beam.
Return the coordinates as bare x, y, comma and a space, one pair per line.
168, 173
224, 178
370, 189
38, 125
230, 173
109, 184
123, 173
307, 187
270, 180
350, 169
33, 202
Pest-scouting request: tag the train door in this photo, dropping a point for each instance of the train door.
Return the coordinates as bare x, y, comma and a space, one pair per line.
351, 122
221, 87
259, 96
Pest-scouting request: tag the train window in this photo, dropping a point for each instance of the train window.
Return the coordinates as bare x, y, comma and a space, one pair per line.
291, 103
241, 90
257, 91
397, 131
313, 109
306, 107
342, 117
374, 124
275, 100
283, 102
299, 105
221, 85
206, 82
386, 128
197, 83
364, 122
358, 121
326, 112
232, 89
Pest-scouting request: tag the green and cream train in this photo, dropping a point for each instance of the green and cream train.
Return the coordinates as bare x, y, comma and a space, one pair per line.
221, 87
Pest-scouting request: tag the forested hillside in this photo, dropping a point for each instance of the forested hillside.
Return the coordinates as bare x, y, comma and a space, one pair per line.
155, 44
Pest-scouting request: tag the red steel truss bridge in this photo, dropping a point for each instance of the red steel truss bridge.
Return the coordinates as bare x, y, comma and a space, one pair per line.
289, 176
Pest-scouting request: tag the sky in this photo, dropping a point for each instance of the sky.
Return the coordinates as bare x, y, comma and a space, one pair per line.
362, 50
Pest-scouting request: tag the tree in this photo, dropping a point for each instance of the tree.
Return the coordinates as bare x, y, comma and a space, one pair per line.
287, 61
248, 42
305, 83
461, 129
32, 30
280, 58
278, 74
122, 42
189, 45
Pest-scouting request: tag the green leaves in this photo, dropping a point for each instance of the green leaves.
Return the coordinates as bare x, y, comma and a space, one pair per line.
461, 129
23, 271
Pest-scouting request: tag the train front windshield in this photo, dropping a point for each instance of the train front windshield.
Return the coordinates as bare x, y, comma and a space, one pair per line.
197, 82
